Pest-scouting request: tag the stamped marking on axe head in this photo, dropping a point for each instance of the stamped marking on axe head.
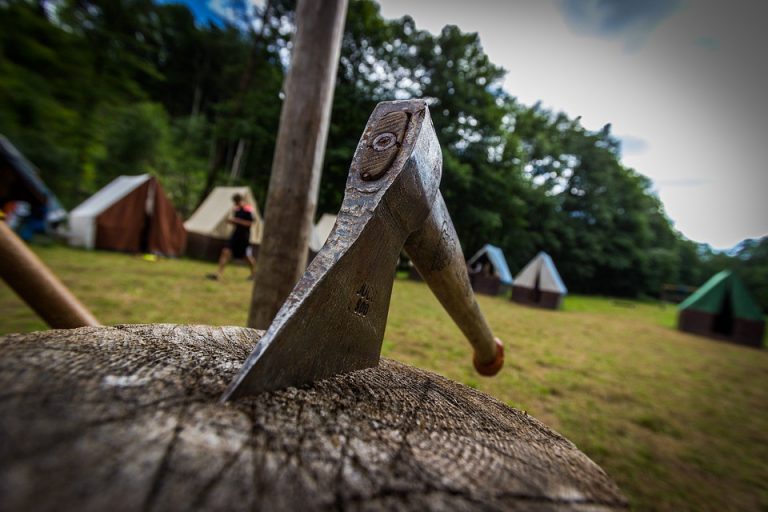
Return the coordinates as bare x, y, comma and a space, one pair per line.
334, 319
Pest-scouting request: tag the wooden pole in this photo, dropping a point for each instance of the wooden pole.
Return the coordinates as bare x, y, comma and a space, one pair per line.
28, 276
293, 186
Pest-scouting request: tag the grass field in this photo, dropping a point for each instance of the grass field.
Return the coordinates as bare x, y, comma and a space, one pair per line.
680, 422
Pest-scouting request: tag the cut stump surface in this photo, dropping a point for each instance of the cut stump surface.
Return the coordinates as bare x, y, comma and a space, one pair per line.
128, 418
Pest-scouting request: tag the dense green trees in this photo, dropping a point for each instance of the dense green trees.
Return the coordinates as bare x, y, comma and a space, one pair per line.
90, 89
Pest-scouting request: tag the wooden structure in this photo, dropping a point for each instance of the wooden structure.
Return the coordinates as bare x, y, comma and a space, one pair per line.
723, 309
488, 271
298, 160
128, 418
539, 284
207, 228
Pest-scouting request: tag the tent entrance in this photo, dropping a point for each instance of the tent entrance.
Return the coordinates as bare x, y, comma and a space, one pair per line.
536, 292
144, 236
483, 266
723, 323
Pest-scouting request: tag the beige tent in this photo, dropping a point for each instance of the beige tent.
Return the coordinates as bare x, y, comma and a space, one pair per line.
321, 231
208, 229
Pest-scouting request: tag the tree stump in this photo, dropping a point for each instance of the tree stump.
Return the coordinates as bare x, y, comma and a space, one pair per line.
128, 418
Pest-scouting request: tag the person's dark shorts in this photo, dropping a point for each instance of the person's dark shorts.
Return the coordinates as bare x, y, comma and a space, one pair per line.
238, 247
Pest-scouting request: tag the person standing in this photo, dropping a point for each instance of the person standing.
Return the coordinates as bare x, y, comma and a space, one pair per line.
238, 244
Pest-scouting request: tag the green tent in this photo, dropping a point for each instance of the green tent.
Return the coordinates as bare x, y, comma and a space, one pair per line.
723, 308
710, 297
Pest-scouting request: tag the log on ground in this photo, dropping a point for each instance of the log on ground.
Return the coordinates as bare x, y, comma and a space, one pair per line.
128, 418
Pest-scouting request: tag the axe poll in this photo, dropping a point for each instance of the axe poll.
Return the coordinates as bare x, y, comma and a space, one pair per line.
334, 319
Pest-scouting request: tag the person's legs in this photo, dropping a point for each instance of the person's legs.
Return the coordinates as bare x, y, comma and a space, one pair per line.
252, 263
224, 257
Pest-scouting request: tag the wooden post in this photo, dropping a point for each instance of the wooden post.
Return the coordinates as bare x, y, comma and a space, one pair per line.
38, 286
293, 186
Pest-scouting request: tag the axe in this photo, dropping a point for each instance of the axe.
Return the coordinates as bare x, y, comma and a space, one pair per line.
333, 321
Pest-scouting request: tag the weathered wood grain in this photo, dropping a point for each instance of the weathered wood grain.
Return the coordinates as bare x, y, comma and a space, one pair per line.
128, 418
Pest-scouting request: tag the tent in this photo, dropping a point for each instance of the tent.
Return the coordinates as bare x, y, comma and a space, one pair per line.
723, 308
131, 214
20, 182
539, 284
488, 270
321, 231
208, 229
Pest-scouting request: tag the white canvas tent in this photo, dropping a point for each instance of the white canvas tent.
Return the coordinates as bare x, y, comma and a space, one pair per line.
539, 283
132, 213
321, 231
82, 220
208, 229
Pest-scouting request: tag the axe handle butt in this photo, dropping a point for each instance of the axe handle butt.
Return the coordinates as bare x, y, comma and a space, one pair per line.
492, 368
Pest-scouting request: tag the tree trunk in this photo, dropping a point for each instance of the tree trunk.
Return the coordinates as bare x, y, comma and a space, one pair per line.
129, 418
293, 185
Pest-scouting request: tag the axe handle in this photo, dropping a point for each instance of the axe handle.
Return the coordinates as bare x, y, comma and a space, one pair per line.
435, 251
38, 286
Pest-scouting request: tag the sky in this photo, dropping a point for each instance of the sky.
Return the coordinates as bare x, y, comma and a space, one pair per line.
682, 82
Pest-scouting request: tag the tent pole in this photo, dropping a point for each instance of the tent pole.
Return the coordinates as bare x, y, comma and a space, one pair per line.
38, 286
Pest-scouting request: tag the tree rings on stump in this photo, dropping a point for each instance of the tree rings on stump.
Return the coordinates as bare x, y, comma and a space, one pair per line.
128, 418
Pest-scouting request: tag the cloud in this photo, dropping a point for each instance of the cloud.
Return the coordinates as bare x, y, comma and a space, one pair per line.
630, 20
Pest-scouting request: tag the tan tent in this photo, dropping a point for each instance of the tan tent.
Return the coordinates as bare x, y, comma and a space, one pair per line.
208, 229
321, 231
130, 214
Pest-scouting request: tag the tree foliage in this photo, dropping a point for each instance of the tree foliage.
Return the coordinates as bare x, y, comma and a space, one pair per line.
91, 89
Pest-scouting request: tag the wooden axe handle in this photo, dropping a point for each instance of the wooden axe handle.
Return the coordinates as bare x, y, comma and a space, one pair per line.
38, 286
435, 251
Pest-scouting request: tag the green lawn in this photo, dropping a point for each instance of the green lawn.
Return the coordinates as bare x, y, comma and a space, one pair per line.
680, 422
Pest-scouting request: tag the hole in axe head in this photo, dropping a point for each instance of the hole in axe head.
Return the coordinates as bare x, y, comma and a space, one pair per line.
384, 141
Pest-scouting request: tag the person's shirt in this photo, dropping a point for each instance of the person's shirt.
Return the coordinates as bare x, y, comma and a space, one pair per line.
244, 212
